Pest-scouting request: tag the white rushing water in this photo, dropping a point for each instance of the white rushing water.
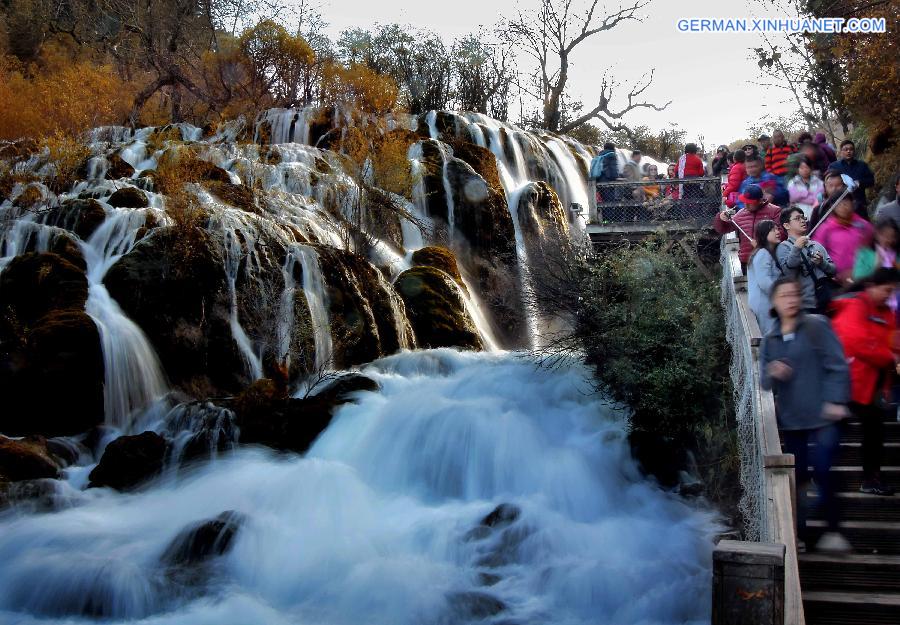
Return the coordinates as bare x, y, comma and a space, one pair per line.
381, 522
133, 376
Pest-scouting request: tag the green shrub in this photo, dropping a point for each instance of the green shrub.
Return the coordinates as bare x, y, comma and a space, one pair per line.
652, 326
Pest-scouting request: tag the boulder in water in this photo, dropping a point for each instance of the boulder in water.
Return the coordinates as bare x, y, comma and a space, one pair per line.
48, 338
129, 197
183, 306
81, 216
266, 417
474, 605
26, 459
501, 516
118, 168
439, 258
129, 461
203, 541
436, 309
34, 284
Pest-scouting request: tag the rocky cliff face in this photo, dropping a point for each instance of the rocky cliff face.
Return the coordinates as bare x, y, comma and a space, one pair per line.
185, 265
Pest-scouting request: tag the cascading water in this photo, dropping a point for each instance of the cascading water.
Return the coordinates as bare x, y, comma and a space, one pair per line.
133, 375
314, 290
471, 487
235, 230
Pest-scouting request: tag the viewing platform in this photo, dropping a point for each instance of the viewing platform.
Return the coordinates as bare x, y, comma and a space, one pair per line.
680, 208
625, 210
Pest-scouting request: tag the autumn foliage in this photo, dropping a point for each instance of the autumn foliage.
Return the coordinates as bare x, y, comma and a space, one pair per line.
57, 97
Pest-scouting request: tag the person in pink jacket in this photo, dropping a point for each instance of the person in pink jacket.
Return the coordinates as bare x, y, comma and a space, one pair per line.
842, 234
736, 176
805, 189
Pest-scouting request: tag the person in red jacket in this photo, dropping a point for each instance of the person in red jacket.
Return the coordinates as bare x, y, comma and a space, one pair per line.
776, 157
866, 328
736, 176
755, 210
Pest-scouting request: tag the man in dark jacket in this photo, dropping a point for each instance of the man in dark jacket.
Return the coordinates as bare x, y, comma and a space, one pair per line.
777, 155
801, 361
859, 171
605, 168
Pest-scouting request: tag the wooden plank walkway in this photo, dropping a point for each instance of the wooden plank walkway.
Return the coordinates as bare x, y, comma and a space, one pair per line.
862, 588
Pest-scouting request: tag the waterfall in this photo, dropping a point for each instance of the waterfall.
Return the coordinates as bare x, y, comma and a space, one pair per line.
234, 230
471, 486
314, 290
133, 375
285, 125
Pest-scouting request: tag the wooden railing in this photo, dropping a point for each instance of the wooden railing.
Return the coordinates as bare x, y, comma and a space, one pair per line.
776, 469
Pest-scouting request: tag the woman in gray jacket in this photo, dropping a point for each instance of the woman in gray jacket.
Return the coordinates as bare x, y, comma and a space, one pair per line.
802, 362
762, 272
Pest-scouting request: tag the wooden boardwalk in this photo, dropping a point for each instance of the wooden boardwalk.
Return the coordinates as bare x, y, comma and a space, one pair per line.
862, 588
859, 588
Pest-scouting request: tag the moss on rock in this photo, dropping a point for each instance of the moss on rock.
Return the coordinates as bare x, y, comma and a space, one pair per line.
436, 309
128, 197
439, 258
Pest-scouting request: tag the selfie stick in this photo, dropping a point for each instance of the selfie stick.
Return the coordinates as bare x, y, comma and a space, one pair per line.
851, 186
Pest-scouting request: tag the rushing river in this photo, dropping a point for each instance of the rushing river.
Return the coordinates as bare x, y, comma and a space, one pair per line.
388, 519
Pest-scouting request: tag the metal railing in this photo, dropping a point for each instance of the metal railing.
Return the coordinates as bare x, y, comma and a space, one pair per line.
694, 200
767, 475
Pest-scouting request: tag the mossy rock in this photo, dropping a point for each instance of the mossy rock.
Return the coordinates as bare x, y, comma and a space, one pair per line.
26, 459
237, 195
81, 216
51, 376
118, 168
33, 285
30, 198
439, 258
128, 197
481, 160
15, 151
436, 309
173, 285
361, 307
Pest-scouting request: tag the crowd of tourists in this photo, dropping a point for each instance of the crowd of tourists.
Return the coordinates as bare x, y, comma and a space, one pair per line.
822, 271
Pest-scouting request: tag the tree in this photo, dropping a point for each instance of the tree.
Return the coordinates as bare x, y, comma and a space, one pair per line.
789, 63
550, 36
417, 61
278, 62
482, 73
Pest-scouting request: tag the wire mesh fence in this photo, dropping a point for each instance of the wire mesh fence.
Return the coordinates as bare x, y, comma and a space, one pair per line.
677, 199
753, 504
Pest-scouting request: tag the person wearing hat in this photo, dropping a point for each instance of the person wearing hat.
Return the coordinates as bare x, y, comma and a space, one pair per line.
720, 161
756, 209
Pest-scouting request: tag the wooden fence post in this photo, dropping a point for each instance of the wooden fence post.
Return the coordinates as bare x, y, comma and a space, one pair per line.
748, 583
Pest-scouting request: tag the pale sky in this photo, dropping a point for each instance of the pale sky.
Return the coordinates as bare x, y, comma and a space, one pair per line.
704, 74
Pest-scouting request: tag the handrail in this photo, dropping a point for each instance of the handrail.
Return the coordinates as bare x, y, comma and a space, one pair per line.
775, 469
